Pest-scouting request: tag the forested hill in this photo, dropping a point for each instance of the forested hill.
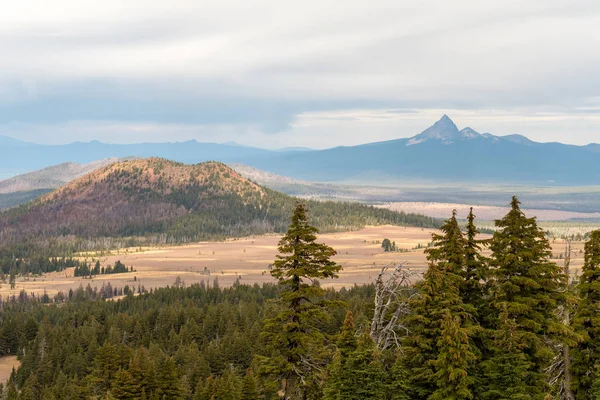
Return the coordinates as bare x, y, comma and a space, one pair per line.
168, 202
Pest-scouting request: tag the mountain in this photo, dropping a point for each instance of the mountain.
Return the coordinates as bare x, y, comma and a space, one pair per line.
26, 187
11, 142
21, 157
444, 131
287, 149
50, 178
160, 201
443, 153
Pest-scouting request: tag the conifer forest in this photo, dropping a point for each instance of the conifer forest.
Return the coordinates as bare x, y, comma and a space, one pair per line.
507, 325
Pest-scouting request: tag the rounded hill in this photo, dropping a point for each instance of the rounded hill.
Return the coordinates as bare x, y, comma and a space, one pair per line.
157, 201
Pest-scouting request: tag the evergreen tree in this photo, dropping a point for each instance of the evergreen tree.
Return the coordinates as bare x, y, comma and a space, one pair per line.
449, 248
530, 288
13, 278
249, 387
505, 372
386, 245
125, 386
168, 381
228, 387
399, 379
104, 368
205, 389
439, 351
356, 372
475, 294
476, 271
586, 356
294, 335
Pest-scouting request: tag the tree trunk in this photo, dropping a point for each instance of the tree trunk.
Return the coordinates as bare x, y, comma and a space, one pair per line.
567, 321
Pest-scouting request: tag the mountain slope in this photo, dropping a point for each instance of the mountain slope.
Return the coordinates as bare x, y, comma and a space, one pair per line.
167, 202
50, 178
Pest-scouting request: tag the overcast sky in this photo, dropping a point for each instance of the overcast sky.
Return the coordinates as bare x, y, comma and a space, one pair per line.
314, 73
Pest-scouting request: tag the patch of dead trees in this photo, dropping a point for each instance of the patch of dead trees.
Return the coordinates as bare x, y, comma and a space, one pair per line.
393, 292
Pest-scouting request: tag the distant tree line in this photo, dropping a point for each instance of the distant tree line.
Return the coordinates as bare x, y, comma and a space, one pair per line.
84, 269
36, 265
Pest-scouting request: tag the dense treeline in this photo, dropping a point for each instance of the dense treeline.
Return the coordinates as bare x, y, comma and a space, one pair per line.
36, 265
84, 269
180, 343
510, 325
156, 201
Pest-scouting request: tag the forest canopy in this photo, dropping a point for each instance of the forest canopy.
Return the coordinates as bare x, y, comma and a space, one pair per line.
509, 325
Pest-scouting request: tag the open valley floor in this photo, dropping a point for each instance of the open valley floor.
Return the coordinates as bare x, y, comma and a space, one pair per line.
248, 260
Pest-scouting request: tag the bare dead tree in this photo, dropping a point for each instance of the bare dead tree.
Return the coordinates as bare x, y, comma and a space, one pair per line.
393, 291
560, 370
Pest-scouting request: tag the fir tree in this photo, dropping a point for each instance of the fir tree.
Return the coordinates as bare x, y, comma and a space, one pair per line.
356, 372
505, 372
476, 272
439, 351
205, 389
104, 368
168, 382
294, 335
125, 386
530, 288
449, 248
228, 387
386, 245
249, 387
586, 356
346, 341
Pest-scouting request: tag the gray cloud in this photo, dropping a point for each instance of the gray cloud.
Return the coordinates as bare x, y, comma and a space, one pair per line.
240, 67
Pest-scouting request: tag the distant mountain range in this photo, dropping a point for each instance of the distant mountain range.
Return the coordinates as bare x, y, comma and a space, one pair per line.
443, 153
22, 188
52, 177
440, 153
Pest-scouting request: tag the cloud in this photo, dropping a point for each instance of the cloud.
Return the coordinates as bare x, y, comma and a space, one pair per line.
263, 66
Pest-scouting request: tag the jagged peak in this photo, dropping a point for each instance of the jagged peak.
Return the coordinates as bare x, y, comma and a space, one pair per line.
469, 133
443, 130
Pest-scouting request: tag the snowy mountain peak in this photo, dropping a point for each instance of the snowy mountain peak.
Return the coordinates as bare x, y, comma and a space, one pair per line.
444, 130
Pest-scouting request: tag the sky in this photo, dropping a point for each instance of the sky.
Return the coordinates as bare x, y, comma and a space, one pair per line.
315, 73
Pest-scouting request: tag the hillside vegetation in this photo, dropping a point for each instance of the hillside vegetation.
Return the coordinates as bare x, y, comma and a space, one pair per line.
160, 201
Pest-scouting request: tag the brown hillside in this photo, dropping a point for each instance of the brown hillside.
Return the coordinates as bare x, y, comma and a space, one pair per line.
154, 174
160, 201
133, 198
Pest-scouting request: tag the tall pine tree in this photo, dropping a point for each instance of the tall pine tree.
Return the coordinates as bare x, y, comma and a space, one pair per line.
530, 288
586, 356
476, 270
439, 352
294, 335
